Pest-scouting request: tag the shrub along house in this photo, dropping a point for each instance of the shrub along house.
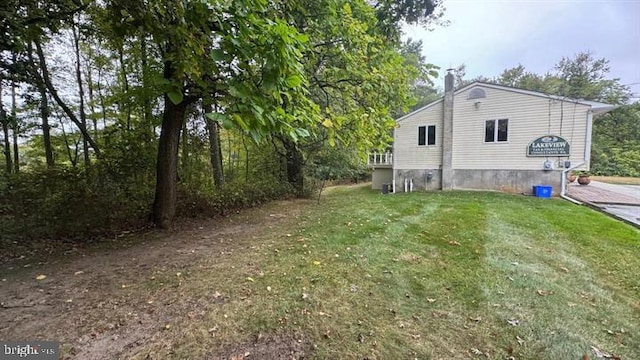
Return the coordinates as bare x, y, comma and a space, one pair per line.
486, 136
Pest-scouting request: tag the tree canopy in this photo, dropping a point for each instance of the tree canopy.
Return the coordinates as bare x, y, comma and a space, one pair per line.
146, 104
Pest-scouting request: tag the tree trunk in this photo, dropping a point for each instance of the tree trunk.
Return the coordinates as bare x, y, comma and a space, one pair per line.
215, 152
92, 103
44, 109
7, 144
148, 113
164, 204
246, 158
295, 165
46, 129
46, 79
5, 131
184, 174
125, 84
14, 125
83, 115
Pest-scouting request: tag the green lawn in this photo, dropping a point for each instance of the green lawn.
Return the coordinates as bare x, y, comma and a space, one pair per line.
453, 275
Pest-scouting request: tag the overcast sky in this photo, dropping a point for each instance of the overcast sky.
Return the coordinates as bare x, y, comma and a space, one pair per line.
490, 36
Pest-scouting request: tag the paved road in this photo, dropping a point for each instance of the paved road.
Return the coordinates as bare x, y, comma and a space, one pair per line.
622, 201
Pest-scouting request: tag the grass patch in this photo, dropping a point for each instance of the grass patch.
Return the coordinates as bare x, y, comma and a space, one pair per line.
618, 180
421, 275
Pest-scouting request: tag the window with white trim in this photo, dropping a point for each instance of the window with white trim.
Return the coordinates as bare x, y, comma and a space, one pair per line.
426, 135
496, 131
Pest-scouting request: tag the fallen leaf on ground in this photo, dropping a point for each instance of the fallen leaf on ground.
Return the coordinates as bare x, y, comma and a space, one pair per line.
520, 340
476, 351
513, 322
41, 277
250, 279
564, 269
454, 243
316, 263
78, 272
305, 296
476, 319
600, 354
216, 295
544, 292
431, 300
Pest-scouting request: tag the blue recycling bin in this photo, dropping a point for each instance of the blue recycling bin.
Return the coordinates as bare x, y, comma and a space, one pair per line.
543, 191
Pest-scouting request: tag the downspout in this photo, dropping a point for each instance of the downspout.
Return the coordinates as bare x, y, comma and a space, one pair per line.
393, 163
563, 186
587, 140
587, 158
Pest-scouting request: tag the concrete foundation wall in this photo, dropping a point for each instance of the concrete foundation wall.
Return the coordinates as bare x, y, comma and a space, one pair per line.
381, 176
514, 181
419, 177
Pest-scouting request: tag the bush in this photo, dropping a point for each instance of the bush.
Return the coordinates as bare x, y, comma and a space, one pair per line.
232, 196
67, 203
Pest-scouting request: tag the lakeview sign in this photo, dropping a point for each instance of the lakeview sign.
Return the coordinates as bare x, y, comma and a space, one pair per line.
549, 145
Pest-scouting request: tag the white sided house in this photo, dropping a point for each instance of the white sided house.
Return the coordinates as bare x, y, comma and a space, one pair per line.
486, 136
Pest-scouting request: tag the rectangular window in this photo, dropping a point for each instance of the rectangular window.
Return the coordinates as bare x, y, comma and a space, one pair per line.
427, 135
431, 135
496, 132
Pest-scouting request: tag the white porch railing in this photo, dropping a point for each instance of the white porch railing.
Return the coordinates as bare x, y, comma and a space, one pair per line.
380, 159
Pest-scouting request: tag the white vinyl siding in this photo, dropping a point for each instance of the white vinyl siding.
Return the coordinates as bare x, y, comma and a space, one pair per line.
529, 117
407, 154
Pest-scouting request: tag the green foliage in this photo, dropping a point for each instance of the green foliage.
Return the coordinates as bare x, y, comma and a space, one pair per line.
616, 142
230, 197
335, 163
63, 203
279, 76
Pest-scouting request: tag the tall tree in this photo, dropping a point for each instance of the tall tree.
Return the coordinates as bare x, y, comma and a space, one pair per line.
254, 65
4, 119
75, 30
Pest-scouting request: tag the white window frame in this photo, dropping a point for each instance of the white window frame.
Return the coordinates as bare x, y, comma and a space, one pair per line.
495, 131
426, 135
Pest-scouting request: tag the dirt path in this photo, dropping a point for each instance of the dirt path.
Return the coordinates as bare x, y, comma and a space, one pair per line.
105, 305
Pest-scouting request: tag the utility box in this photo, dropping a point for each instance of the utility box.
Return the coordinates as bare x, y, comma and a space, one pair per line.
542, 191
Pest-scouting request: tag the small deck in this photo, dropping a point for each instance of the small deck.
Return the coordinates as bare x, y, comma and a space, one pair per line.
380, 160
